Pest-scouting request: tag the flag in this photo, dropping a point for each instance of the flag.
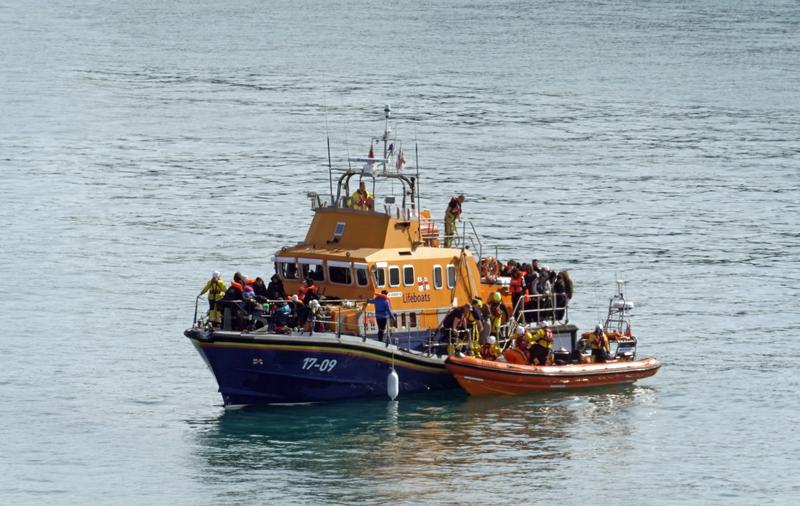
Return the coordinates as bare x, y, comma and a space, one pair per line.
371, 151
401, 160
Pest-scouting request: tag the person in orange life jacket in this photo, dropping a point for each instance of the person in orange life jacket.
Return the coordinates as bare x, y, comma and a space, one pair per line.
490, 351
452, 213
600, 347
532, 300
542, 345
517, 288
311, 291
383, 311
240, 280
362, 199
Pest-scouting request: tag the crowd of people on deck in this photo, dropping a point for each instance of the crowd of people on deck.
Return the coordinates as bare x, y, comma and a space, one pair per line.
537, 293
251, 303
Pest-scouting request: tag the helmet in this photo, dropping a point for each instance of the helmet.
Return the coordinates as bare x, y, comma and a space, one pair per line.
314, 305
491, 340
215, 274
520, 330
295, 298
496, 297
598, 329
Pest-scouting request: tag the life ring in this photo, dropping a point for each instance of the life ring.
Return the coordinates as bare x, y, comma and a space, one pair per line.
490, 268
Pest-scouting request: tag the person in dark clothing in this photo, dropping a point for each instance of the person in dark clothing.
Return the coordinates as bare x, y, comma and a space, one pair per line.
454, 321
260, 289
275, 290
560, 292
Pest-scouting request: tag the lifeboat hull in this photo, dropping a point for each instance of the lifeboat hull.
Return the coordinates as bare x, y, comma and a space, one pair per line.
262, 368
486, 377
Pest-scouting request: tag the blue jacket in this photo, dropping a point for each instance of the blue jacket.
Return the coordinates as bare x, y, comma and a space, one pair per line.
383, 308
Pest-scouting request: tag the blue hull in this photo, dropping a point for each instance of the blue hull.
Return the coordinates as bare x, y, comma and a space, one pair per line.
269, 369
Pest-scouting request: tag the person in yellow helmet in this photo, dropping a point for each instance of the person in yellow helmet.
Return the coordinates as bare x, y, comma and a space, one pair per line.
362, 199
498, 312
216, 290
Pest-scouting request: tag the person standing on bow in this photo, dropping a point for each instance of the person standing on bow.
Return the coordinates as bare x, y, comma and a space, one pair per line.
383, 311
452, 213
216, 290
362, 199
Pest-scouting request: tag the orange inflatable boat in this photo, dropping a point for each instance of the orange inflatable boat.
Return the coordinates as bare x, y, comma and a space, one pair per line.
488, 377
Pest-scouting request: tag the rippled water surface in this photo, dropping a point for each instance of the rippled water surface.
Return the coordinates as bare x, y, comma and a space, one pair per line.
145, 144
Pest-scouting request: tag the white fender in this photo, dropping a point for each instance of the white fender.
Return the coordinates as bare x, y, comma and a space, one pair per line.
393, 384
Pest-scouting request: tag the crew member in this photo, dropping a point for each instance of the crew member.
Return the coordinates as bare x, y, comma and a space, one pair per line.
542, 345
452, 213
475, 325
216, 290
383, 311
362, 199
490, 351
498, 312
599, 342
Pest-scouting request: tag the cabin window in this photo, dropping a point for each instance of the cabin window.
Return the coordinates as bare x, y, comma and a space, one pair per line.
361, 275
379, 275
287, 270
340, 275
408, 275
313, 271
437, 277
451, 276
412, 320
394, 276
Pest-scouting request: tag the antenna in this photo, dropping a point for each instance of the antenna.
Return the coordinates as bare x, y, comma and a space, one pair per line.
328, 137
416, 162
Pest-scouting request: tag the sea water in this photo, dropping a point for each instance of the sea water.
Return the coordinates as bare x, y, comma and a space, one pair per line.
145, 144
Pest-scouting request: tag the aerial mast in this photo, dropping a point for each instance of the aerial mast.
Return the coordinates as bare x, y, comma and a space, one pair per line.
386, 110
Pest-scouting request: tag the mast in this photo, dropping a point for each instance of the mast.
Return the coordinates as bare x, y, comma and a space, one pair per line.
386, 110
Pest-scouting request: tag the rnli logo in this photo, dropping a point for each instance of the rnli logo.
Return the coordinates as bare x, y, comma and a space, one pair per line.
423, 284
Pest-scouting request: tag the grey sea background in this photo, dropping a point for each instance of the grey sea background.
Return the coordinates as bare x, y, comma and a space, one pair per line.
145, 144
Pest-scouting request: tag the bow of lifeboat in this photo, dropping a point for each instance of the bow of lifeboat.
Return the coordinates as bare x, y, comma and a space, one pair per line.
487, 377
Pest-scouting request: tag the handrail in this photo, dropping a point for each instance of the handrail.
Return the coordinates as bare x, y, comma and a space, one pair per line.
550, 309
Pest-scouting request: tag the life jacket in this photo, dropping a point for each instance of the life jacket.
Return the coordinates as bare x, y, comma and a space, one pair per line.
544, 338
489, 351
240, 286
515, 285
598, 342
362, 201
